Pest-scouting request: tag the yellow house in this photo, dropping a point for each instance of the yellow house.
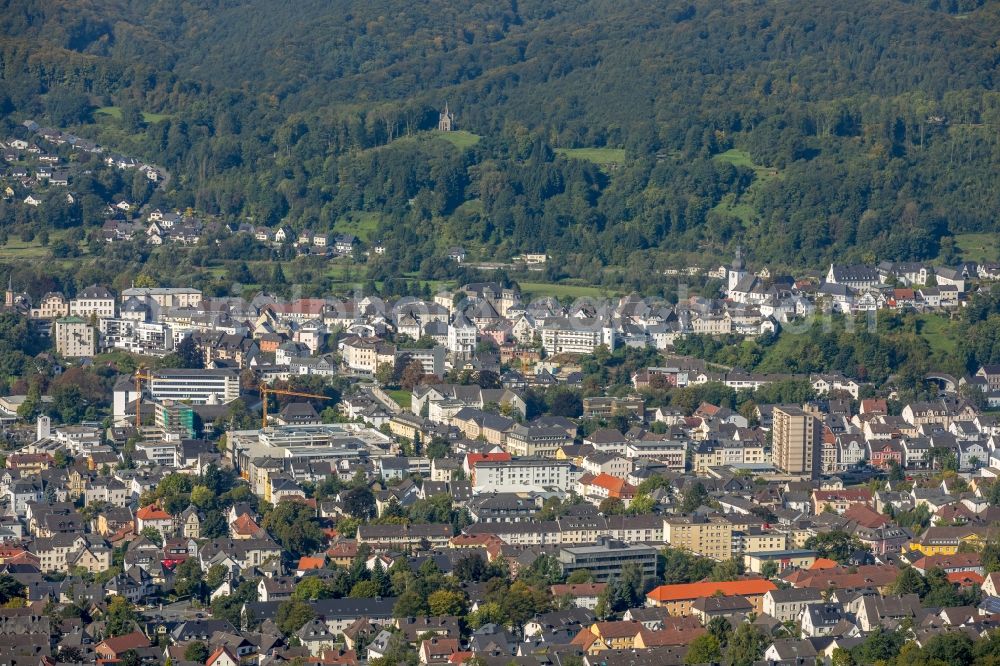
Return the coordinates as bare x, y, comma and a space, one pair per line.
947, 540
678, 598
406, 426
615, 635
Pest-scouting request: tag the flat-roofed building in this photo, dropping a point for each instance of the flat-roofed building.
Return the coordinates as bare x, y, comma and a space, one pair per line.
605, 559
796, 442
200, 387
75, 338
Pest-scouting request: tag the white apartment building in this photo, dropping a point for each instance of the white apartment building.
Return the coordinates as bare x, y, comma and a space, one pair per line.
165, 297
201, 387
138, 337
74, 337
462, 335
576, 336
524, 474
93, 301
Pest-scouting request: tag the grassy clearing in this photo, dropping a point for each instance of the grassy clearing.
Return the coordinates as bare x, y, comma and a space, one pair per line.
938, 331
472, 206
360, 223
738, 209
401, 396
16, 249
741, 158
543, 289
115, 113
978, 247
601, 156
349, 273
460, 139
741, 207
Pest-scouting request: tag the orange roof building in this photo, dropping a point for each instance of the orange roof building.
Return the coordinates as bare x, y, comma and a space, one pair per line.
152, 512
823, 563
244, 527
473, 459
866, 516
965, 578
677, 599
605, 485
578, 590
877, 576
310, 563
155, 517
474, 541
223, 656
113, 648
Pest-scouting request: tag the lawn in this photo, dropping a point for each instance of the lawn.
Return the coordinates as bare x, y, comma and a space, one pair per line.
116, 113
938, 331
978, 247
360, 223
741, 208
18, 249
601, 156
543, 289
401, 396
459, 138
741, 158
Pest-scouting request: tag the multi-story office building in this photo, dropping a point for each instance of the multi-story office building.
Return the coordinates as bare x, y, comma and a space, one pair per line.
605, 559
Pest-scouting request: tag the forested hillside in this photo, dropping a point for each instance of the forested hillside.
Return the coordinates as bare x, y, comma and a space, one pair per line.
805, 131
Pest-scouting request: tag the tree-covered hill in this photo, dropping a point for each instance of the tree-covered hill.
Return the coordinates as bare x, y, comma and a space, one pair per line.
807, 131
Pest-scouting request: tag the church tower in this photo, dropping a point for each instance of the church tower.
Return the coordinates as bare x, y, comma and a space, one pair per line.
9, 296
446, 120
737, 270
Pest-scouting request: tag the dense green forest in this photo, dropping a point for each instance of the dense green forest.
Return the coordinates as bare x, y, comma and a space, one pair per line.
859, 130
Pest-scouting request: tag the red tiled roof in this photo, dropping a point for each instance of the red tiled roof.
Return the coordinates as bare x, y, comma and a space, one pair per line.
823, 563
475, 458
870, 575
610, 483
866, 516
584, 639
665, 637
343, 548
307, 563
152, 512
683, 591
245, 525
965, 578
877, 405
119, 644
956, 561
618, 629
218, 653
579, 590
474, 540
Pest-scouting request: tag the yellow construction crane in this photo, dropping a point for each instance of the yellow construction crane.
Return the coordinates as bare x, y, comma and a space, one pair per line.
266, 390
140, 375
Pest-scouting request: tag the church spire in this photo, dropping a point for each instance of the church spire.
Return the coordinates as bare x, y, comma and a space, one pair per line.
738, 263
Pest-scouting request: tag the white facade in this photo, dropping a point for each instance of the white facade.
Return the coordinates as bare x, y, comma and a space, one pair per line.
521, 475
74, 338
200, 387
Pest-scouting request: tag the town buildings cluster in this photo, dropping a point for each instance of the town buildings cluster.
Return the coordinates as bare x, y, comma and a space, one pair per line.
819, 507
